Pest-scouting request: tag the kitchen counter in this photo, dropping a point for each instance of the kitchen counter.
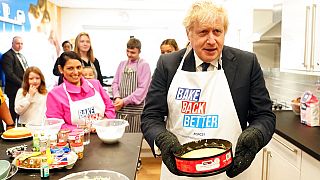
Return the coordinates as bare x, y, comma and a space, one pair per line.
304, 137
121, 157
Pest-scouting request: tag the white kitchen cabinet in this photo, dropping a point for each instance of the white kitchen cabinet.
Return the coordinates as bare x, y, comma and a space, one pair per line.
281, 160
255, 169
310, 167
300, 34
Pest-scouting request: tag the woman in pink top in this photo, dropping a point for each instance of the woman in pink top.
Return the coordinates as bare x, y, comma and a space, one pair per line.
77, 99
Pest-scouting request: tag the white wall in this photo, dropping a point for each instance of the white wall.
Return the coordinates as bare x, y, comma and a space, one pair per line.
110, 30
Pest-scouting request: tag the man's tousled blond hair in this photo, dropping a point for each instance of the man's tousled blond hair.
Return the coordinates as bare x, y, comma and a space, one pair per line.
205, 12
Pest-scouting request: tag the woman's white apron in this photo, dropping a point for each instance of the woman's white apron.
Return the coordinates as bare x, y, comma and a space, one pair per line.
90, 108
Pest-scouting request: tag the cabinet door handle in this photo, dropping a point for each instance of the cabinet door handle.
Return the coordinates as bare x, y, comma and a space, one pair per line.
267, 164
264, 150
285, 145
306, 34
313, 35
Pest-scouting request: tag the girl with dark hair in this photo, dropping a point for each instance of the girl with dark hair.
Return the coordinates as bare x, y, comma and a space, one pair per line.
67, 46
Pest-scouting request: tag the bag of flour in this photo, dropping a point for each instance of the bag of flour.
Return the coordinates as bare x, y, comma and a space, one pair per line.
309, 109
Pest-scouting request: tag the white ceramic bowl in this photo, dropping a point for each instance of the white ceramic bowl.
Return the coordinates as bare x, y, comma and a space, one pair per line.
51, 126
4, 168
110, 130
96, 174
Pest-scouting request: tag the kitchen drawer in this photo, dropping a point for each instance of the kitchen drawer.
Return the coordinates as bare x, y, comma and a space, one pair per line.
286, 150
310, 167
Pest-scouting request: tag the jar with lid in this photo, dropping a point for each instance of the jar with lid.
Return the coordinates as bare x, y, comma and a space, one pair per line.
74, 137
63, 135
78, 148
62, 145
53, 140
80, 131
44, 143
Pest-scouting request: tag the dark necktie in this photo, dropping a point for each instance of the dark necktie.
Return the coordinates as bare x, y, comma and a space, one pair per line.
205, 66
23, 60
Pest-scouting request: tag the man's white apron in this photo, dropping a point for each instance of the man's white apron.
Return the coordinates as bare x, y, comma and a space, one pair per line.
90, 108
201, 107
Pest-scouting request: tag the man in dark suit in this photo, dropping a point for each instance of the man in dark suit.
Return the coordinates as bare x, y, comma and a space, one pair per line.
13, 65
229, 100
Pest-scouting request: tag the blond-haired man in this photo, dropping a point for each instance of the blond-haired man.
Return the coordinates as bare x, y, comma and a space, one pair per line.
208, 90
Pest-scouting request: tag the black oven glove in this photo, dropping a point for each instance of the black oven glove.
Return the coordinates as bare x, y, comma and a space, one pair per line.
249, 144
168, 143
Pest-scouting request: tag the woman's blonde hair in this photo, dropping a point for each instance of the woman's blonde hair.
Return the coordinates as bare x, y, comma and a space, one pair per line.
25, 84
205, 12
77, 50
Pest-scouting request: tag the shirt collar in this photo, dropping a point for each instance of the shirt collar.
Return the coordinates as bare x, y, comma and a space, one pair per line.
76, 89
15, 51
199, 61
133, 61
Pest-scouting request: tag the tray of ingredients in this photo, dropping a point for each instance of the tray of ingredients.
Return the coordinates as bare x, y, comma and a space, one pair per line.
33, 160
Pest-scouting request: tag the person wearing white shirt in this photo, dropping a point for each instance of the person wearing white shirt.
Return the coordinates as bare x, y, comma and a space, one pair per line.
30, 102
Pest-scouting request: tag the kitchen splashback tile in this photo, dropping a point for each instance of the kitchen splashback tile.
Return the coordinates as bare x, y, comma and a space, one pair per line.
287, 86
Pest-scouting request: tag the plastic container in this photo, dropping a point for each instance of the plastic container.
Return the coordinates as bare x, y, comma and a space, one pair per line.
78, 148
53, 140
62, 145
4, 168
96, 174
44, 169
74, 137
50, 126
295, 107
80, 131
63, 135
110, 130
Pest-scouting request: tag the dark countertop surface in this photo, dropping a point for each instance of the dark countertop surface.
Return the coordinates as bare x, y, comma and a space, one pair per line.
304, 137
121, 157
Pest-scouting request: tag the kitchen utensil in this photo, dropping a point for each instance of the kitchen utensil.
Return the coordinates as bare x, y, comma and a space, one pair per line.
96, 174
211, 156
110, 130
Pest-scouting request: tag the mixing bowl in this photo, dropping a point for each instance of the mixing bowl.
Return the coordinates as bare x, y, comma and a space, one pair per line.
96, 174
50, 126
110, 130
4, 168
